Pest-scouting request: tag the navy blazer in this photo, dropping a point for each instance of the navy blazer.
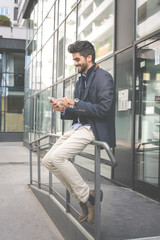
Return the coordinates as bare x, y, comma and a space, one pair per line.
97, 105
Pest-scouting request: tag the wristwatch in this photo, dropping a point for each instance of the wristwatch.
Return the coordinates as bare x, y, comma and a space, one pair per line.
76, 100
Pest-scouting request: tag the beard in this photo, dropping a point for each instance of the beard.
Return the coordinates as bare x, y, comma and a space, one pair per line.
82, 68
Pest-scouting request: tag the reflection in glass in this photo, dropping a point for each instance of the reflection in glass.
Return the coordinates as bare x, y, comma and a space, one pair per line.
47, 5
148, 113
58, 115
39, 13
47, 63
107, 65
70, 38
69, 92
45, 113
70, 5
48, 26
60, 51
95, 23
38, 72
148, 15
61, 10
55, 58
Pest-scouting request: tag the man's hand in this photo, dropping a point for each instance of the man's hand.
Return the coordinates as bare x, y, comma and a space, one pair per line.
65, 102
56, 106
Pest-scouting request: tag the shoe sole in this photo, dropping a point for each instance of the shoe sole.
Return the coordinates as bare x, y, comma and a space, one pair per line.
83, 219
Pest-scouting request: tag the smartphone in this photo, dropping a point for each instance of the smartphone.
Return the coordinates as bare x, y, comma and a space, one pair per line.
50, 98
53, 100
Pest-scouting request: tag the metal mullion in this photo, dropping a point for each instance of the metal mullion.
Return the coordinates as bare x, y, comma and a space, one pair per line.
133, 102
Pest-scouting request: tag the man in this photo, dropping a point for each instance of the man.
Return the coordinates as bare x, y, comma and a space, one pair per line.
92, 113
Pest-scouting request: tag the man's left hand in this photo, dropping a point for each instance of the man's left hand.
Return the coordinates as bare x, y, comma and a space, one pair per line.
66, 102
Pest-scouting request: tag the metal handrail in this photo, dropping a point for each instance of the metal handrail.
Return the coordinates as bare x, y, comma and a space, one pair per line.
98, 147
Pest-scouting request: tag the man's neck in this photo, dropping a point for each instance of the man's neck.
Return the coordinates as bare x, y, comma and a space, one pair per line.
88, 68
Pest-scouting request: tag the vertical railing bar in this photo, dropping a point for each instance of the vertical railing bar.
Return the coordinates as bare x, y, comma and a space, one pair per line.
50, 174
39, 170
31, 164
97, 193
67, 201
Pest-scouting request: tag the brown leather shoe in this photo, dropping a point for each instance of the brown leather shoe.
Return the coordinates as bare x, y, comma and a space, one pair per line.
84, 213
91, 210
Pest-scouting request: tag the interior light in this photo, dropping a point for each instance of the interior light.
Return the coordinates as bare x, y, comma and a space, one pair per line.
157, 76
146, 76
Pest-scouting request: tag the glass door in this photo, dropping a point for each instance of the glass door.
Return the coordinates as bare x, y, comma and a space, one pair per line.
147, 120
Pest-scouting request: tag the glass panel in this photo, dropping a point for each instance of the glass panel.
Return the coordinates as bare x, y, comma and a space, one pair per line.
38, 72
34, 76
70, 38
48, 26
148, 15
34, 45
95, 23
32, 119
35, 17
56, 14
69, 92
39, 39
28, 81
61, 51
70, 5
61, 10
47, 5
58, 115
47, 64
107, 65
27, 120
28, 56
45, 114
53, 115
55, 59
40, 12
148, 113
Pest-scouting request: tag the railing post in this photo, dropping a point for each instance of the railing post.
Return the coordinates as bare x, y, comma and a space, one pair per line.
30, 160
97, 192
39, 169
67, 201
50, 174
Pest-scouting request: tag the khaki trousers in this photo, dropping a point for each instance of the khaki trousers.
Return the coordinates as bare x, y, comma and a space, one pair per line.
56, 160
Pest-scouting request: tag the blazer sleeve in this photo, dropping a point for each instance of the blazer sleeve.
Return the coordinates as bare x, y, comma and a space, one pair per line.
70, 114
104, 92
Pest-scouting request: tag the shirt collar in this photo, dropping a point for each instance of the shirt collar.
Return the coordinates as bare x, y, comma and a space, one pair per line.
86, 76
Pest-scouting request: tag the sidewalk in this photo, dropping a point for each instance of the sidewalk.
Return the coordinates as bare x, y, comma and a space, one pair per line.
21, 214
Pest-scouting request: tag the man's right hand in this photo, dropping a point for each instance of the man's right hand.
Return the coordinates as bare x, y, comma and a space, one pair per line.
56, 106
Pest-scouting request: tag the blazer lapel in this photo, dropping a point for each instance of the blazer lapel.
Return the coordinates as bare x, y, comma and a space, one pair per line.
89, 81
79, 87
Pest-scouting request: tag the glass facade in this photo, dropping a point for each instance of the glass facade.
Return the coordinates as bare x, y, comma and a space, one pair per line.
148, 15
148, 113
48, 62
11, 92
126, 37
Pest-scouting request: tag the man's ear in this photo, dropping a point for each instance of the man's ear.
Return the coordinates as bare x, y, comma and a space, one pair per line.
89, 58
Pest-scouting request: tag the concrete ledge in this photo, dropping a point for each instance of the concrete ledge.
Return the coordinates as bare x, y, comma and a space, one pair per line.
66, 224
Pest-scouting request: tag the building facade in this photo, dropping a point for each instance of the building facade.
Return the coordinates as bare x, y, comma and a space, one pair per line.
12, 58
126, 36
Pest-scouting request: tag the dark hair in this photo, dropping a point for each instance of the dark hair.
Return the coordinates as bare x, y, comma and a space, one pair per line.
85, 48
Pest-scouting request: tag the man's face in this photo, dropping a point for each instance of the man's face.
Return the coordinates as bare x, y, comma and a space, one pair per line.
80, 62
